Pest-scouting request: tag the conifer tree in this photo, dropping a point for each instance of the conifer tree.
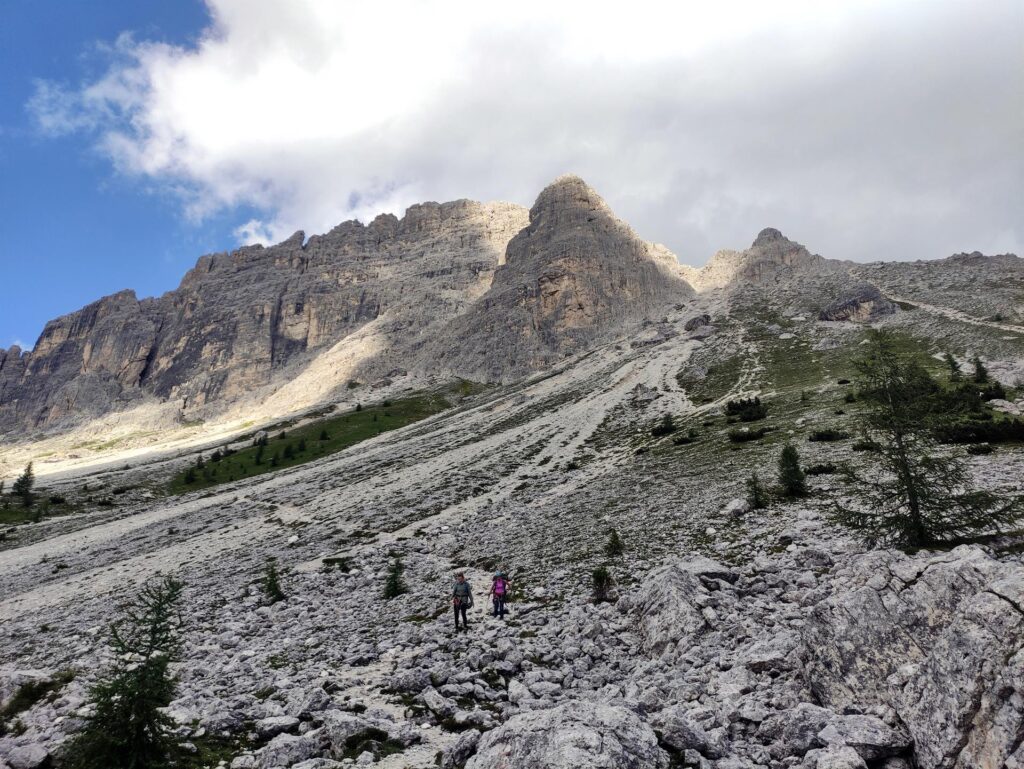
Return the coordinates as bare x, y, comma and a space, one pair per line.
22, 487
272, 582
916, 495
394, 585
980, 372
615, 546
954, 368
602, 583
129, 728
791, 476
756, 495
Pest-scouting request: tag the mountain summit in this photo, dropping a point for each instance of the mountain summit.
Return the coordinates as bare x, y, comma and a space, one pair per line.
574, 276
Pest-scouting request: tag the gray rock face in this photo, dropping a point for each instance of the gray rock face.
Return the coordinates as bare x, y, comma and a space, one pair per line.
862, 304
575, 276
239, 321
908, 627
770, 259
28, 757
668, 605
569, 736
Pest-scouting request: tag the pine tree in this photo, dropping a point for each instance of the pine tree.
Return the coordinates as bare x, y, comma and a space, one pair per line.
791, 476
289, 452
258, 459
128, 728
615, 546
915, 495
756, 495
200, 464
980, 372
323, 435
394, 585
272, 582
22, 487
190, 475
954, 368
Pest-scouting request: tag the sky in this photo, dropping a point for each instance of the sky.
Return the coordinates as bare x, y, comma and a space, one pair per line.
136, 135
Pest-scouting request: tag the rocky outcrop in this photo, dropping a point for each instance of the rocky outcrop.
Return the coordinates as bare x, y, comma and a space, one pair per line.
248, 319
575, 277
569, 736
937, 639
862, 304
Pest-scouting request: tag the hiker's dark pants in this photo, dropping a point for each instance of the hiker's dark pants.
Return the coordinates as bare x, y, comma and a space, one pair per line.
499, 606
461, 607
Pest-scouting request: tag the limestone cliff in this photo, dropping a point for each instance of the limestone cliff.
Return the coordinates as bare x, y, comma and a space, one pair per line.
574, 277
248, 319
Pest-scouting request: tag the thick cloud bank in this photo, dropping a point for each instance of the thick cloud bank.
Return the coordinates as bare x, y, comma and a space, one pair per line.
864, 129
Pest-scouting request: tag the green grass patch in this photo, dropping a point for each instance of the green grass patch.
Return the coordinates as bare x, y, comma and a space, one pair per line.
288, 448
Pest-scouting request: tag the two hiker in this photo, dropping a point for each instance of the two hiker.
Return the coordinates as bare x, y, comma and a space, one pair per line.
462, 597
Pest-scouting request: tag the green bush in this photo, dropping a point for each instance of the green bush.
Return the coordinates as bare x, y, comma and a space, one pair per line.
822, 469
743, 436
746, 409
828, 435
666, 426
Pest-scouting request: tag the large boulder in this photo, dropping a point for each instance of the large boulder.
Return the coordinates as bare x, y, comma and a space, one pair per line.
569, 736
861, 304
669, 603
936, 637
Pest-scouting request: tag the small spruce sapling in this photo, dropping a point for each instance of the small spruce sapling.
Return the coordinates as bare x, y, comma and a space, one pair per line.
394, 585
272, 582
756, 495
980, 372
22, 487
615, 546
791, 476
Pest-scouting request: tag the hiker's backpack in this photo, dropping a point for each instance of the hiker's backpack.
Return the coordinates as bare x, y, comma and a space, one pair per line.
499, 587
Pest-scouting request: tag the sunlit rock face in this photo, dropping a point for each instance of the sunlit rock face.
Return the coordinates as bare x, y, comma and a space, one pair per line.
574, 277
241, 321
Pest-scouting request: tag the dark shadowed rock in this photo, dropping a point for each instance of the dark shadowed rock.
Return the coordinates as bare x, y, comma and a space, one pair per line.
862, 304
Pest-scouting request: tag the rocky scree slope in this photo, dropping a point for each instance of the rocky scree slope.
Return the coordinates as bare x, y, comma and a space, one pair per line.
735, 639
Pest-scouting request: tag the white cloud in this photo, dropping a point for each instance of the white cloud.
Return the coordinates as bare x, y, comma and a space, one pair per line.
864, 129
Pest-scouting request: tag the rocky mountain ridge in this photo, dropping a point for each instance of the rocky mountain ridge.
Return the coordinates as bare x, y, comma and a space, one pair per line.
488, 292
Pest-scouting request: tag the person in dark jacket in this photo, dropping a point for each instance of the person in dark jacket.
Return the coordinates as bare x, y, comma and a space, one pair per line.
462, 599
